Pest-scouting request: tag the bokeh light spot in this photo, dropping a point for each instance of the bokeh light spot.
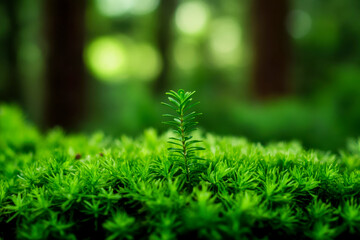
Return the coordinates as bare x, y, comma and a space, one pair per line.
117, 8
298, 23
142, 7
225, 42
119, 59
106, 57
225, 35
114, 8
191, 17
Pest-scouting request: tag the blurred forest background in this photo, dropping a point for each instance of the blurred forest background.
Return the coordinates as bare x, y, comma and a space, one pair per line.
266, 70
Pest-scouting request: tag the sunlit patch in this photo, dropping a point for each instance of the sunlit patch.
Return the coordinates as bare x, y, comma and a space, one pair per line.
186, 54
116, 8
192, 17
298, 23
225, 35
145, 62
225, 41
107, 58
141, 7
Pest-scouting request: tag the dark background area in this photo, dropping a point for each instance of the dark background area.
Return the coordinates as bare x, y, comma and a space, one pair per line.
266, 70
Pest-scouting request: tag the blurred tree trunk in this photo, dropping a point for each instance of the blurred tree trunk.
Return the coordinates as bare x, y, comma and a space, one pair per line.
164, 41
12, 90
271, 48
65, 80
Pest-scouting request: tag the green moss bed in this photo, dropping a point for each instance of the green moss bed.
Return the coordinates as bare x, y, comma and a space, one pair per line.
58, 186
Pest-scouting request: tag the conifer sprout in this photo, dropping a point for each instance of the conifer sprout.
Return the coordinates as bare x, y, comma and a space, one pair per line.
183, 123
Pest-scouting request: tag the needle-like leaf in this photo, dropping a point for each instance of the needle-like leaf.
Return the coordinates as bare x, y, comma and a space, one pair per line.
184, 123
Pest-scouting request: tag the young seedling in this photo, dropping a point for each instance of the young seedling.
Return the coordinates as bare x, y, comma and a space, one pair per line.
184, 124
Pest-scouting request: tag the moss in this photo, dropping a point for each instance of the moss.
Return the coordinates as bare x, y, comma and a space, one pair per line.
95, 187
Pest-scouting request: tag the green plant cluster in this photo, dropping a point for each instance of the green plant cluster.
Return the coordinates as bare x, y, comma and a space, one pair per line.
95, 187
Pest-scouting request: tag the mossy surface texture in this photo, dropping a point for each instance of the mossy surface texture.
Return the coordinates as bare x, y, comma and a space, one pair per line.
58, 186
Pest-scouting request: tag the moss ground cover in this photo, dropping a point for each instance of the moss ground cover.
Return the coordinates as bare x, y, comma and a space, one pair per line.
95, 187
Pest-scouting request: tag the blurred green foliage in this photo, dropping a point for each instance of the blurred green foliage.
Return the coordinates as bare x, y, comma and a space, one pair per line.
16, 135
322, 110
210, 51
